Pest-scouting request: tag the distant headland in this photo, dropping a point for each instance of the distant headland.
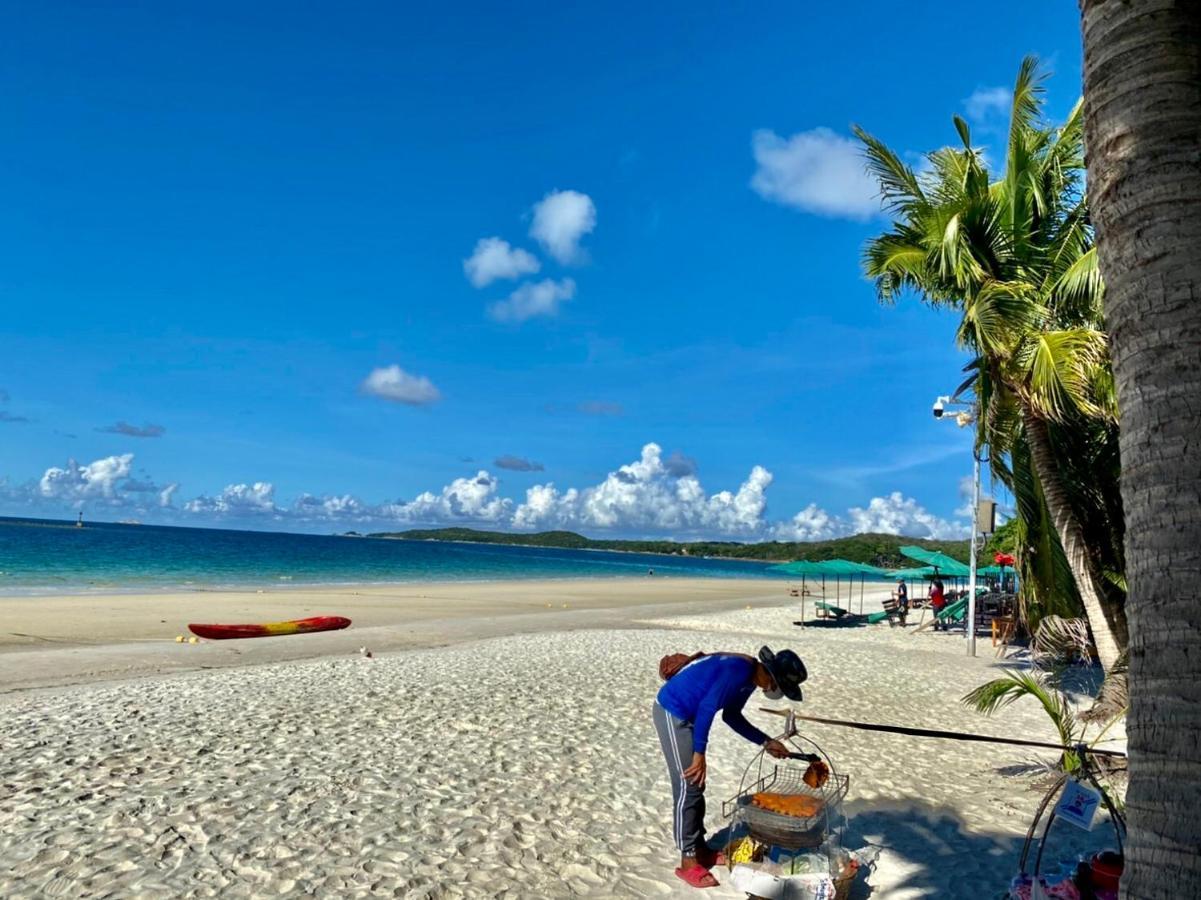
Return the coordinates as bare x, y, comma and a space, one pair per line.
873, 549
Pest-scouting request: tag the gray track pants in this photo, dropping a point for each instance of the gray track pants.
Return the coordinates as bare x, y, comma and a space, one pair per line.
688, 800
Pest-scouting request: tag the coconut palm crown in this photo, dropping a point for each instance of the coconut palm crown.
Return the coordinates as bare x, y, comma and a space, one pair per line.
1014, 256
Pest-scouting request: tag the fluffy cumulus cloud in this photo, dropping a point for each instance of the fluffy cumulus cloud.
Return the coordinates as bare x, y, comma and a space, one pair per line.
817, 171
149, 430
96, 480
560, 221
649, 495
238, 500
395, 384
473, 499
897, 514
345, 506
106, 482
811, 524
541, 298
494, 259
653, 495
893, 513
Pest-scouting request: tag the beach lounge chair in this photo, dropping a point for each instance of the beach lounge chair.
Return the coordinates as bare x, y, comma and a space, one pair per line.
893, 611
829, 610
951, 614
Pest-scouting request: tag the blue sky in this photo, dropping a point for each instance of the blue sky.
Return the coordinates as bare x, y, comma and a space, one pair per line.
233, 244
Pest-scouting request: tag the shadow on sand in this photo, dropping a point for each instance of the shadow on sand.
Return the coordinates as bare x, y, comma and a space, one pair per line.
940, 855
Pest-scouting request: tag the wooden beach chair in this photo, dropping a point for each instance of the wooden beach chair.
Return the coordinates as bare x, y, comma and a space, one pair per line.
893, 611
829, 610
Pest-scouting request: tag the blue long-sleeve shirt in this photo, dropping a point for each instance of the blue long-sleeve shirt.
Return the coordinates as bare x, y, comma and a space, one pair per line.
701, 688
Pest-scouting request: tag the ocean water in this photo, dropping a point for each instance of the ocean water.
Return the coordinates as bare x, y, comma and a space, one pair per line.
42, 556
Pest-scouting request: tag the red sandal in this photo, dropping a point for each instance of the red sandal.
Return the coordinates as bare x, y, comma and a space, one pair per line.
708, 857
697, 876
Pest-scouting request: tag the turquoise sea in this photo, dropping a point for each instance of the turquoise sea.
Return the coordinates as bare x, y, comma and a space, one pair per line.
43, 556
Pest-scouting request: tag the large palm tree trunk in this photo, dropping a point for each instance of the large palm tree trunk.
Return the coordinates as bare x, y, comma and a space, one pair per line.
1106, 619
1142, 113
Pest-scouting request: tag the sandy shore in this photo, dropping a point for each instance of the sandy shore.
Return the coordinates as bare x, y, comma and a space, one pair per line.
66, 639
518, 766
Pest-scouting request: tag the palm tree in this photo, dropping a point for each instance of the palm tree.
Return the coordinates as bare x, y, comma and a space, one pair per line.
1142, 92
1015, 257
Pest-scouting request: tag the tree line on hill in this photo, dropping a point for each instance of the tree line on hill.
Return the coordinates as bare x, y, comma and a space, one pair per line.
874, 549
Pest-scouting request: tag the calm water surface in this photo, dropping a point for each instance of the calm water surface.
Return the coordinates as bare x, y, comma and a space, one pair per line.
40, 556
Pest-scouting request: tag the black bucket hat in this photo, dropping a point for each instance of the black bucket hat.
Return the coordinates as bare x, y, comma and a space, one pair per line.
786, 670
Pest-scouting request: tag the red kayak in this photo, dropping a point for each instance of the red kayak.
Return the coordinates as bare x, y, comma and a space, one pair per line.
270, 629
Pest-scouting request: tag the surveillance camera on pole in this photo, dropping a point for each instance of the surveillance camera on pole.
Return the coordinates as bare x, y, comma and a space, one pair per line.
965, 413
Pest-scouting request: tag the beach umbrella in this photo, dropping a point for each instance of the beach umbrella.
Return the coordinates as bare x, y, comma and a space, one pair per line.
946, 565
837, 569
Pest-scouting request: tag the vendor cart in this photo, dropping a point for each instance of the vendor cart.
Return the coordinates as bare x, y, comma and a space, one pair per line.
785, 830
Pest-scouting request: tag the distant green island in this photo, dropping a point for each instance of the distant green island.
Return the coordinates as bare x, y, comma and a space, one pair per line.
873, 549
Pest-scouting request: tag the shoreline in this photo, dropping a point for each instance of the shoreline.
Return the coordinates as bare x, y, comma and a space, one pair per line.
33, 591
71, 638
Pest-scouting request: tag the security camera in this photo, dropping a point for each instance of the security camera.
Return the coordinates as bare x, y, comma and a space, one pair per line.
938, 408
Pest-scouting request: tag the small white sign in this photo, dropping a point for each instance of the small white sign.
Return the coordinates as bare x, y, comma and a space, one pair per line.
1078, 804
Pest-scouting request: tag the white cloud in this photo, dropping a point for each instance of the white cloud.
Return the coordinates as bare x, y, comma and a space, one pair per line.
340, 507
541, 298
475, 499
648, 495
811, 524
897, 514
652, 495
817, 171
395, 384
494, 258
988, 105
96, 479
238, 500
561, 219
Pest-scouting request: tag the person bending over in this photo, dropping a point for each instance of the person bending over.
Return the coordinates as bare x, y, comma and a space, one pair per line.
683, 713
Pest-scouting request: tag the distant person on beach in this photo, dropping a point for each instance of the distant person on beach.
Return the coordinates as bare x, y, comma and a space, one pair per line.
938, 600
903, 598
683, 714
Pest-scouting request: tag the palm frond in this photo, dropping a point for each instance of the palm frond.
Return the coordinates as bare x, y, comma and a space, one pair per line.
1061, 368
999, 315
1080, 285
999, 693
900, 188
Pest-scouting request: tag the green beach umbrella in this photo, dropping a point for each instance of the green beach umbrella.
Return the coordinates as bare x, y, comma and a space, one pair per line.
946, 565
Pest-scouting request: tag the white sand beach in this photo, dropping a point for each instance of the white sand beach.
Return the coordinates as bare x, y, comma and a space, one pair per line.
501, 765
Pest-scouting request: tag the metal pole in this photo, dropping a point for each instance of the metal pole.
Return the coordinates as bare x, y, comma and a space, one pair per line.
971, 579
